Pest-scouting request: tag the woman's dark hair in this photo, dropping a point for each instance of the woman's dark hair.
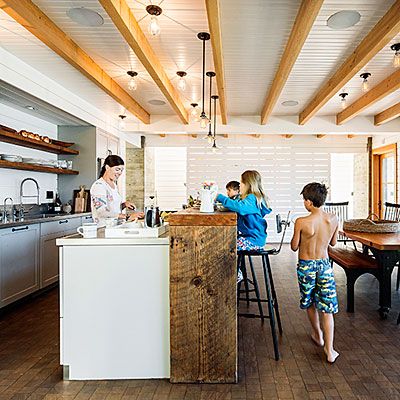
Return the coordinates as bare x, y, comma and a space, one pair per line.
316, 193
112, 161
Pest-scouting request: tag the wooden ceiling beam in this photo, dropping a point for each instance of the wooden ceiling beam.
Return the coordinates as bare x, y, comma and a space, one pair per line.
387, 115
379, 36
305, 18
214, 24
378, 92
126, 23
27, 14
320, 136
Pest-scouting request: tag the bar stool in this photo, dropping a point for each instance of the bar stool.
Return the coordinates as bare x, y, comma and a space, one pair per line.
251, 284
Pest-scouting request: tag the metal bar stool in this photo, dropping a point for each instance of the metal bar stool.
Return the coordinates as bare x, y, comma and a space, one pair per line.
251, 284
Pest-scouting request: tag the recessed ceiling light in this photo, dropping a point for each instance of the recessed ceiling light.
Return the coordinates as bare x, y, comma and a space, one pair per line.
156, 102
30, 107
290, 103
343, 19
85, 16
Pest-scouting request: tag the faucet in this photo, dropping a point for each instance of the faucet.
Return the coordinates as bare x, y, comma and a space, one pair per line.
5, 215
21, 190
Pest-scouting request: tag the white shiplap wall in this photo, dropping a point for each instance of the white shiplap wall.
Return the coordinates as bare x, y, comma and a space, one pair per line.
285, 165
10, 179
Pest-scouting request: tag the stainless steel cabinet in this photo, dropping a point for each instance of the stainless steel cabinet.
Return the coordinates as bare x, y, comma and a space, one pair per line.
19, 262
51, 231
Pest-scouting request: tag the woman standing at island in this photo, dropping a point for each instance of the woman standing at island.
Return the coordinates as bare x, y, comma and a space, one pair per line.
105, 197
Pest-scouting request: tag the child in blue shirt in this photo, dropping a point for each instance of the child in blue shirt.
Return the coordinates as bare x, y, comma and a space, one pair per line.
251, 210
233, 190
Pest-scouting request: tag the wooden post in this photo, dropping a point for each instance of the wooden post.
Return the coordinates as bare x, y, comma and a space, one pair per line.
203, 297
370, 174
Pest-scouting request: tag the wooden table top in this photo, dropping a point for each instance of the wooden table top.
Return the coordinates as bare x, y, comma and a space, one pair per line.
380, 241
193, 217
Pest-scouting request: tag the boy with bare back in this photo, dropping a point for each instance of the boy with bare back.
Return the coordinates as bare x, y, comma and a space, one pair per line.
312, 236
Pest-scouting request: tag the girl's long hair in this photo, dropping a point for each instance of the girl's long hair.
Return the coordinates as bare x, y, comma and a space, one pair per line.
112, 161
253, 181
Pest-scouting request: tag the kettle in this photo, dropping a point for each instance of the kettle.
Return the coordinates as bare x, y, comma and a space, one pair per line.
152, 217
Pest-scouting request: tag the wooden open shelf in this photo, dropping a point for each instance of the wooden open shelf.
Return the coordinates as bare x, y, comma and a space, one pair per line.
19, 140
36, 168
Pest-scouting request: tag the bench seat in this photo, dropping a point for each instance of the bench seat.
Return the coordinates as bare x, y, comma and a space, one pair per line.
354, 264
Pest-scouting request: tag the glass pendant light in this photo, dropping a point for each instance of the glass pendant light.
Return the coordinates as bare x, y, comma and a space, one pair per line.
203, 36
132, 85
182, 80
154, 11
194, 112
343, 102
214, 147
365, 83
121, 123
396, 58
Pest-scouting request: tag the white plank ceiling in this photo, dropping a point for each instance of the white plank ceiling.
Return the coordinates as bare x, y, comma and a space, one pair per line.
254, 34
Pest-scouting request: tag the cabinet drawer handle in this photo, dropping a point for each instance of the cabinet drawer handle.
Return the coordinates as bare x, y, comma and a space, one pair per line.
19, 229
63, 222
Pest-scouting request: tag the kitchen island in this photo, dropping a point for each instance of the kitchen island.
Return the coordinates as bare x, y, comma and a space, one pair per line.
114, 307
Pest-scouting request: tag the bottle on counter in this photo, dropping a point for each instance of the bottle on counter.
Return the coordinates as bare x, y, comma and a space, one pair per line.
57, 204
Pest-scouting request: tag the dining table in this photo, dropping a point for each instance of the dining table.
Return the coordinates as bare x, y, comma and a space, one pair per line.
385, 248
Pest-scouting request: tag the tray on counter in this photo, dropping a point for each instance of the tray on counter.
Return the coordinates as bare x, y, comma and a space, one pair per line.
131, 230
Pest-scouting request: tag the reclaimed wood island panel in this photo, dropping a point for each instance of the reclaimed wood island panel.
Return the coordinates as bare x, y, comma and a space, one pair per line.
203, 275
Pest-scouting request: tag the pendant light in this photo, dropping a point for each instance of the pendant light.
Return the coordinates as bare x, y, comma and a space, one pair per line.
365, 84
214, 147
343, 101
182, 81
396, 58
203, 36
121, 123
154, 11
211, 75
132, 85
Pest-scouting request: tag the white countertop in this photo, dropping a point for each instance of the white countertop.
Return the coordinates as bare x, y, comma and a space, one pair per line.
101, 240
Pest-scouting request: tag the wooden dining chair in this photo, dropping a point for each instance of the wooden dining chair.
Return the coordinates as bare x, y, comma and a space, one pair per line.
392, 213
340, 209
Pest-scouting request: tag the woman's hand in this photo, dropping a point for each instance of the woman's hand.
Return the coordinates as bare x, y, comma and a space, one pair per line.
128, 205
135, 215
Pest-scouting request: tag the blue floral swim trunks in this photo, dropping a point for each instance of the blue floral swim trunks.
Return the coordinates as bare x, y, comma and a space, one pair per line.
317, 285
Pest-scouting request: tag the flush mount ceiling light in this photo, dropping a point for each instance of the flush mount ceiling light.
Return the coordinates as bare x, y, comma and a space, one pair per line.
182, 81
30, 107
203, 36
121, 123
396, 58
85, 17
194, 112
154, 11
290, 103
343, 19
343, 101
365, 84
132, 85
157, 102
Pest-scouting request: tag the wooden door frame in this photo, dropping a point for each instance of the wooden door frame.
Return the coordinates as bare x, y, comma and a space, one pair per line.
377, 175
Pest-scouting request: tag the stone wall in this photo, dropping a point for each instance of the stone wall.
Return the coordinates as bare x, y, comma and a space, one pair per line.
135, 176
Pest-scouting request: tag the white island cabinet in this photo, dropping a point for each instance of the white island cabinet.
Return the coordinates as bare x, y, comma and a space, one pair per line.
114, 307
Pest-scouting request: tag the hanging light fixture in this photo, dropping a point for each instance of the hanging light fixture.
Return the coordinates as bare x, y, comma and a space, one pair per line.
203, 36
182, 81
154, 11
343, 101
365, 84
396, 58
194, 112
214, 147
132, 85
211, 75
121, 123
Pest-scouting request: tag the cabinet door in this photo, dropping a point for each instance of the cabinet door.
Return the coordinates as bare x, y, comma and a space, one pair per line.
48, 260
19, 262
102, 146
